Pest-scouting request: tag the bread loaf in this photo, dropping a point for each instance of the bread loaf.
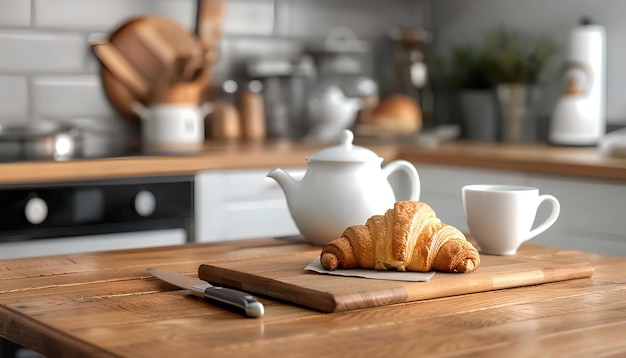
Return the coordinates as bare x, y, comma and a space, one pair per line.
397, 114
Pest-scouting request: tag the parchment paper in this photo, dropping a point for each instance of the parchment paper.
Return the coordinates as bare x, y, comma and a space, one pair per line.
316, 266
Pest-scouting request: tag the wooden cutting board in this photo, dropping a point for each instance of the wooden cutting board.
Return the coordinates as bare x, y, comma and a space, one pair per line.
283, 277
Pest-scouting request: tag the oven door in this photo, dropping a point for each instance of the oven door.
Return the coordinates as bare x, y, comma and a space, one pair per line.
86, 216
92, 243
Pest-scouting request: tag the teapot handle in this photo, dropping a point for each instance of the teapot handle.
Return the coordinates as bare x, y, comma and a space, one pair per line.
142, 111
411, 172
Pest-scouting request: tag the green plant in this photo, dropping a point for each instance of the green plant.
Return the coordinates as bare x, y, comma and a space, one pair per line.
511, 57
505, 56
468, 68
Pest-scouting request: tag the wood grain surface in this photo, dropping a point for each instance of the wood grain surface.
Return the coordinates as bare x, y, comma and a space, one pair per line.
586, 162
106, 305
219, 155
284, 278
216, 155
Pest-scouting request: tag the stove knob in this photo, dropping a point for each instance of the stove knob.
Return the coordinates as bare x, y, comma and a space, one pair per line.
145, 203
36, 211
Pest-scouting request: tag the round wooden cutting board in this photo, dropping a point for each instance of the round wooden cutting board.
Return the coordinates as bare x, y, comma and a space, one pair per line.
161, 53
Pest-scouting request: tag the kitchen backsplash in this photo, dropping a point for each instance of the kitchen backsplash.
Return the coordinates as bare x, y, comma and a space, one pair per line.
47, 69
457, 22
48, 72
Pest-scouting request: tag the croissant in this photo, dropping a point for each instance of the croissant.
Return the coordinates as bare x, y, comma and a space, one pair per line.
407, 237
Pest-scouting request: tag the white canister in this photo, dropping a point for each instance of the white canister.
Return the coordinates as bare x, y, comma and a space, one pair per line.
172, 127
581, 120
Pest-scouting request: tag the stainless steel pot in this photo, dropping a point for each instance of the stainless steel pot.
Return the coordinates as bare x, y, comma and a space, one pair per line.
40, 141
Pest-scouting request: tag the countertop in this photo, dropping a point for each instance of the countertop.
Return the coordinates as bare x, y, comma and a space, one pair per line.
538, 158
214, 156
106, 305
586, 162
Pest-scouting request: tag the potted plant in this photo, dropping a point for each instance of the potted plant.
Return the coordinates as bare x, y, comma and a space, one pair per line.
515, 65
498, 84
470, 77
511, 57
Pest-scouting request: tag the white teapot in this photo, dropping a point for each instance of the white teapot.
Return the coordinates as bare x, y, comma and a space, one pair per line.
343, 186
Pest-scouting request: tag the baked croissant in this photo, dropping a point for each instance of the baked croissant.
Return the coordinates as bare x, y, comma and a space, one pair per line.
408, 237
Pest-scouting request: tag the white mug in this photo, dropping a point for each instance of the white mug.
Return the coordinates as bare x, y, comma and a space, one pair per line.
171, 126
500, 217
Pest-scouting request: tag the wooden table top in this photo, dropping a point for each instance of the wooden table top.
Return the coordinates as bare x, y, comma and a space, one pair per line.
105, 305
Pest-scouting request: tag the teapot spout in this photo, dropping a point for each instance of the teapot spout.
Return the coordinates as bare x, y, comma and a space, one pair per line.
286, 181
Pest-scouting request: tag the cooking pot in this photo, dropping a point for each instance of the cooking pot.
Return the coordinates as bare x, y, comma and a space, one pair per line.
40, 141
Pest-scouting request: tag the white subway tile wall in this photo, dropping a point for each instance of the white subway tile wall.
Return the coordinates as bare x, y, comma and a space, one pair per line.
15, 13
240, 15
282, 28
104, 15
47, 68
58, 97
28, 51
13, 98
368, 18
48, 71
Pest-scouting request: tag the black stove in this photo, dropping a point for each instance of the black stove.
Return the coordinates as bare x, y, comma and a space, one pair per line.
91, 207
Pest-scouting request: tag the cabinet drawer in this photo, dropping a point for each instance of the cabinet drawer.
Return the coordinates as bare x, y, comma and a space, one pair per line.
441, 188
449, 180
241, 204
244, 185
588, 206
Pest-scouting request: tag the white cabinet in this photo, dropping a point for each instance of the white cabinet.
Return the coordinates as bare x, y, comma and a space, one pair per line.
244, 204
592, 214
241, 204
592, 211
441, 188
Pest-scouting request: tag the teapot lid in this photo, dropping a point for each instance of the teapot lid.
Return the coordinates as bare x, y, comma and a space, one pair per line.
345, 151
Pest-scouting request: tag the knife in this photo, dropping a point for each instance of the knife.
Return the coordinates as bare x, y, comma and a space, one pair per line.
237, 299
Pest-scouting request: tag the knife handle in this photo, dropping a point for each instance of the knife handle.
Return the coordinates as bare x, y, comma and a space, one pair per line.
241, 300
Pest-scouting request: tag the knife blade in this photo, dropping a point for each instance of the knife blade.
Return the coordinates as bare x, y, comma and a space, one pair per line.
240, 300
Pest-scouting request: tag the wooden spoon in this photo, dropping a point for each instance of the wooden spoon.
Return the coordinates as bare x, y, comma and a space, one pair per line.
146, 56
117, 64
187, 49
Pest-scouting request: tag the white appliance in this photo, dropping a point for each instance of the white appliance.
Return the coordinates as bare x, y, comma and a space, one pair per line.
91, 243
579, 116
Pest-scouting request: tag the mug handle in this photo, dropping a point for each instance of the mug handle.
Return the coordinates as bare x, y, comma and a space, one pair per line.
556, 209
409, 169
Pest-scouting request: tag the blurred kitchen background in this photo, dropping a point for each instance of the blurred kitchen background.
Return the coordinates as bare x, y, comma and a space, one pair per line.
285, 50
304, 70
